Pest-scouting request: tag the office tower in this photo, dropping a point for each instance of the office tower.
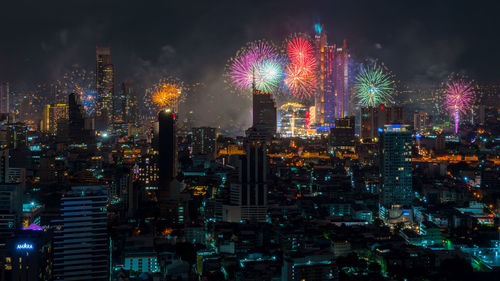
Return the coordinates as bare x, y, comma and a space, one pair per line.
264, 112
205, 141
342, 135
395, 149
4, 97
294, 120
76, 126
341, 78
52, 116
10, 208
81, 245
332, 96
374, 118
421, 121
128, 102
321, 104
167, 148
105, 83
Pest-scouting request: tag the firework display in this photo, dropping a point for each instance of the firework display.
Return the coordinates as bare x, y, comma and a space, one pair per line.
81, 82
300, 72
260, 63
458, 98
167, 93
373, 85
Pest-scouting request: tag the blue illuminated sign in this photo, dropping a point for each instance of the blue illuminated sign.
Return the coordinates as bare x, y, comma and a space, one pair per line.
24, 246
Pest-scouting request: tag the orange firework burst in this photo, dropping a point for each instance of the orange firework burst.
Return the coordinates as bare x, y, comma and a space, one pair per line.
166, 95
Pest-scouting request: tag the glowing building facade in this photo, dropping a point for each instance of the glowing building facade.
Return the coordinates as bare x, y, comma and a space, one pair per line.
294, 120
332, 97
54, 116
395, 165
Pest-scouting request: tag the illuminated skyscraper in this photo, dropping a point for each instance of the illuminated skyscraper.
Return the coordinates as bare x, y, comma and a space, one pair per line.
105, 81
332, 97
4, 97
321, 95
294, 120
395, 165
341, 81
54, 116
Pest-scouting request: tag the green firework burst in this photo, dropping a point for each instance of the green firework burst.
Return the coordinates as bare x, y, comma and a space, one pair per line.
373, 86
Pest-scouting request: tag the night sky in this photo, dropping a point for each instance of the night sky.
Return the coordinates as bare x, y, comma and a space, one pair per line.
194, 39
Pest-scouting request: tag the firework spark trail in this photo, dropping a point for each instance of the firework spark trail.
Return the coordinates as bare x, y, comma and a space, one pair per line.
258, 59
373, 86
300, 73
458, 98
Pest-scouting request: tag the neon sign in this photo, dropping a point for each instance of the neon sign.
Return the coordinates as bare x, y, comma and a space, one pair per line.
24, 246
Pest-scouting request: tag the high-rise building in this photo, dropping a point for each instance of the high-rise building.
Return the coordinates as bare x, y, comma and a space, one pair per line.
128, 102
76, 127
249, 191
294, 120
264, 111
341, 78
332, 97
81, 244
342, 135
205, 141
167, 148
54, 115
373, 119
395, 150
4, 97
105, 83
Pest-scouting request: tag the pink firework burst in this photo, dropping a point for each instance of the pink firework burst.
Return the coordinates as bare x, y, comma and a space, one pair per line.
458, 98
300, 73
247, 63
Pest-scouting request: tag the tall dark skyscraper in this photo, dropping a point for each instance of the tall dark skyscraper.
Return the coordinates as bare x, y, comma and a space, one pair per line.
264, 111
76, 119
81, 244
395, 166
105, 83
167, 147
4, 97
128, 102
